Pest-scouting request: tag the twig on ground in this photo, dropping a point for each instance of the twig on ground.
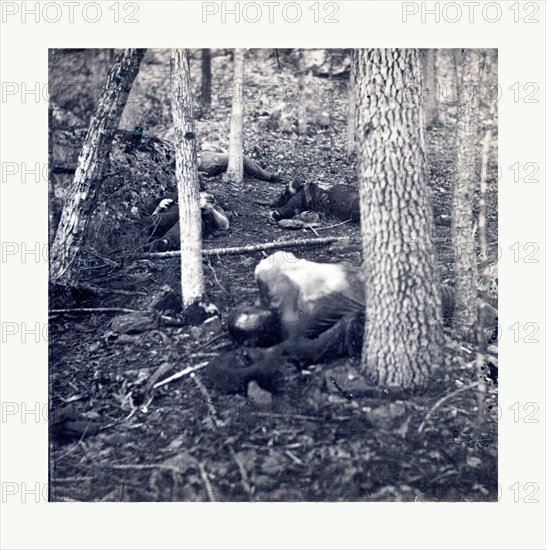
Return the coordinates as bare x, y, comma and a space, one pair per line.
242, 471
107, 261
204, 392
293, 457
441, 401
207, 483
215, 276
309, 226
180, 374
94, 310
332, 226
211, 341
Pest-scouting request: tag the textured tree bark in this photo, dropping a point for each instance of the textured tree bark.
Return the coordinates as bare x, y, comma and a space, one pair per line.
351, 108
464, 186
206, 79
430, 87
192, 279
403, 336
52, 210
234, 171
91, 162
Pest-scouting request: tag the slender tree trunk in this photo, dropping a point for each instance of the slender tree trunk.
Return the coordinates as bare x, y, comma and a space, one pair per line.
466, 288
93, 157
403, 337
302, 105
191, 254
304, 79
52, 210
482, 217
486, 147
206, 79
351, 108
430, 87
235, 169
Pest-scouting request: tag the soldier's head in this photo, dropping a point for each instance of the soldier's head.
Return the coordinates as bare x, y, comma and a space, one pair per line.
254, 325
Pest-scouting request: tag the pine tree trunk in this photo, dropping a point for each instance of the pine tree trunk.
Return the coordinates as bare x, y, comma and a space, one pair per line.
351, 108
403, 337
192, 278
71, 232
235, 169
206, 79
464, 186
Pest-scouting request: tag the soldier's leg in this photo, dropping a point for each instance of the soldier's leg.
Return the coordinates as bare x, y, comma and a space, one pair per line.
252, 170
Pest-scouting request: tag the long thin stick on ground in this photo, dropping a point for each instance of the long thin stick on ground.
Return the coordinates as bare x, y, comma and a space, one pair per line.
94, 310
334, 225
180, 374
251, 247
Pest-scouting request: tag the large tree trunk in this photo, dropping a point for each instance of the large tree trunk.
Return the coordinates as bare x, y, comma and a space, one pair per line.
206, 79
91, 162
464, 186
403, 336
192, 278
351, 108
234, 172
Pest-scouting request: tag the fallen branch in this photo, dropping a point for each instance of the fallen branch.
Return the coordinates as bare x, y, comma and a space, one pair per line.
335, 225
107, 261
309, 226
251, 247
166, 318
207, 483
180, 374
440, 402
95, 310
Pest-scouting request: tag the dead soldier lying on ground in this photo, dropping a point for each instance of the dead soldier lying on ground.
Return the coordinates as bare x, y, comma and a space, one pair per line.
311, 312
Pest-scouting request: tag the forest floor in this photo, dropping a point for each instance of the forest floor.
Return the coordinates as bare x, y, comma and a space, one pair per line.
315, 443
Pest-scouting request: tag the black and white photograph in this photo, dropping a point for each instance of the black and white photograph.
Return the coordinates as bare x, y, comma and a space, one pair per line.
273, 275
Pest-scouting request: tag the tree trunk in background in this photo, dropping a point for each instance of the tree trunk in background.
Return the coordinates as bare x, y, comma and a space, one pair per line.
302, 58
93, 157
456, 66
351, 108
403, 337
52, 203
464, 186
430, 91
206, 80
191, 255
234, 172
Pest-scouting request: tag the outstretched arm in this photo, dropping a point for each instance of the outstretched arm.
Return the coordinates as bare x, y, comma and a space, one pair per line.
220, 219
